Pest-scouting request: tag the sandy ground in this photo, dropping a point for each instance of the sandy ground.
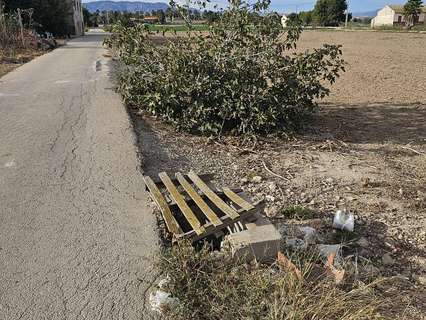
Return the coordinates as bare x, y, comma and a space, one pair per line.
383, 67
364, 152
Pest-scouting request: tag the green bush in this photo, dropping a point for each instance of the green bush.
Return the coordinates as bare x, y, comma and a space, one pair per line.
241, 76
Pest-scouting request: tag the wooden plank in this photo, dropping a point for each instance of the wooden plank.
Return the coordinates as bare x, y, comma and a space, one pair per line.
205, 177
226, 221
191, 202
237, 199
213, 196
213, 218
180, 201
171, 223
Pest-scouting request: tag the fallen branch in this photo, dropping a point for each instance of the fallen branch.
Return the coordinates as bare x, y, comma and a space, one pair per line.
273, 173
413, 150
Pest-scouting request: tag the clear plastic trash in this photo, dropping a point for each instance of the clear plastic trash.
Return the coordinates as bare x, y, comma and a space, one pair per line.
162, 301
344, 221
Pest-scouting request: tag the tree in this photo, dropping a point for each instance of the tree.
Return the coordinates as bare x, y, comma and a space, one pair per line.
330, 12
87, 18
306, 17
211, 16
412, 10
49, 15
161, 16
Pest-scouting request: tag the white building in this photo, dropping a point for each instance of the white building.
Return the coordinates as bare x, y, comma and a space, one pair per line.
392, 15
284, 21
75, 19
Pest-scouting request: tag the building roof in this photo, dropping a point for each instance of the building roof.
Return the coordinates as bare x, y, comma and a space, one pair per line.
400, 8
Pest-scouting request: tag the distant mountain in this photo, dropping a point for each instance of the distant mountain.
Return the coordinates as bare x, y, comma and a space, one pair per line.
365, 14
129, 6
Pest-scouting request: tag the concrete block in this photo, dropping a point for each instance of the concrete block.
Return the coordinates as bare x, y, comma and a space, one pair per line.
261, 241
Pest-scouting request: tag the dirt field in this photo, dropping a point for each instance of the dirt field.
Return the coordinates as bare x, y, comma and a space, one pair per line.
364, 152
383, 67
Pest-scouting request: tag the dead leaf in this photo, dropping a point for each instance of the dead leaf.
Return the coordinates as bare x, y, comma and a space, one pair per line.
286, 265
337, 274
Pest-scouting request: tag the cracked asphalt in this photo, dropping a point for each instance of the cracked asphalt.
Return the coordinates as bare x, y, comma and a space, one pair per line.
77, 239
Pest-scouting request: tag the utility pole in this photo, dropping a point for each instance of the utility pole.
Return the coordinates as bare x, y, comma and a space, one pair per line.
347, 15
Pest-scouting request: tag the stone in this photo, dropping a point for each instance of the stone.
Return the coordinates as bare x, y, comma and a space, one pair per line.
257, 179
295, 243
272, 186
244, 180
363, 242
271, 212
270, 198
387, 259
309, 234
329, 180
420, 279
365, 253
261, 241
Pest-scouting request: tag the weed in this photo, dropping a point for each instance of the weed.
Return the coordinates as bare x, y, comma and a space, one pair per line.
297, 212
209, 287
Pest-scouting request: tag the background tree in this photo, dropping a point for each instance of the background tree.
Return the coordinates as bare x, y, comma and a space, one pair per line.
161, 16
210, 16
87, 18
306, 17
49, 15
412, 10
330, 12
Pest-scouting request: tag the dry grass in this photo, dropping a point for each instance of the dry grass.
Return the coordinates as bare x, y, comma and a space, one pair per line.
13, 59
210, 287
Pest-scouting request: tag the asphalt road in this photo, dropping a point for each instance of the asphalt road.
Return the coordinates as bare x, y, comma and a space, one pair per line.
76, 236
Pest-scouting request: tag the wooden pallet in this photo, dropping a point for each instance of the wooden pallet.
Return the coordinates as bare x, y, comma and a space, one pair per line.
193, 209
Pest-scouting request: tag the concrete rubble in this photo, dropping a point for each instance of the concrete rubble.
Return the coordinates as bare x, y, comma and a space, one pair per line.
260, 241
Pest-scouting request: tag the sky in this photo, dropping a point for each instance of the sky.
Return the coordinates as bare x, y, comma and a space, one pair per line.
299, 5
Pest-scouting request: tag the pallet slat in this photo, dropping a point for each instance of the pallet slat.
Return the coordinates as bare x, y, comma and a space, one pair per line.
237, 199
213, 218
205, 177
227, 221
158, 198
180, 201
213, 196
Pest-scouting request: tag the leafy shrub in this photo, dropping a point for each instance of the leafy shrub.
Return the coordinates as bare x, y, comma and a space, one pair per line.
241, 76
